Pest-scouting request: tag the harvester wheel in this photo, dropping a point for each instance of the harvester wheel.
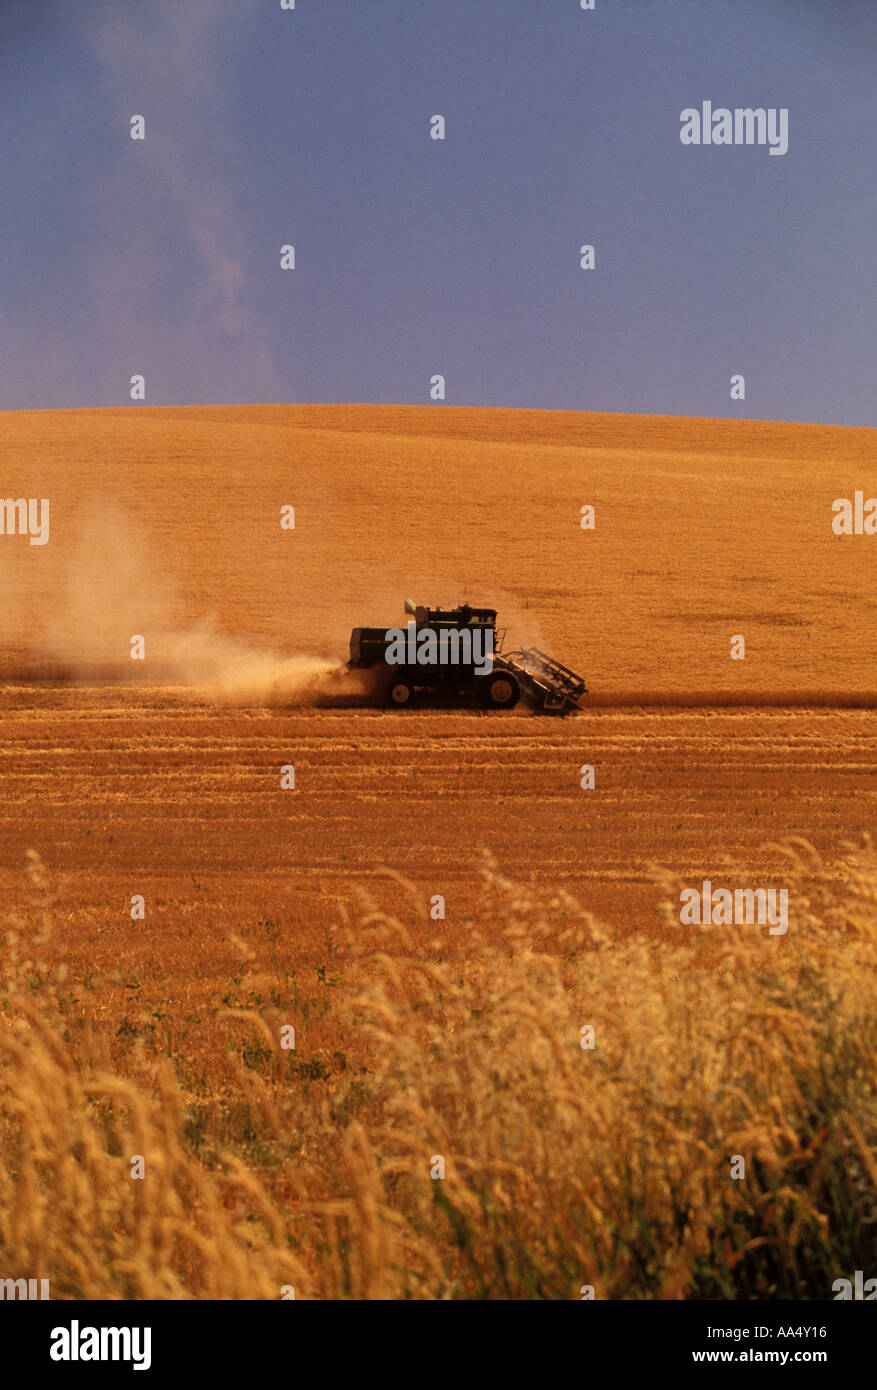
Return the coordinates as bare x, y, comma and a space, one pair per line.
500, 690
400, 693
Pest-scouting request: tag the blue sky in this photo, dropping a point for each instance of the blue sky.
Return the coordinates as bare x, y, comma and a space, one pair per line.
415, 256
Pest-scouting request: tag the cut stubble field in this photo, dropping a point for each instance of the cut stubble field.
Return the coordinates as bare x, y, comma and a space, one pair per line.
128, 794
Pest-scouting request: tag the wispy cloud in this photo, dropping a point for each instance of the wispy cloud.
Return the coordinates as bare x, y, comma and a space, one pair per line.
169, 58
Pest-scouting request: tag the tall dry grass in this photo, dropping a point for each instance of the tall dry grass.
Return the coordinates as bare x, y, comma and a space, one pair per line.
563, 1166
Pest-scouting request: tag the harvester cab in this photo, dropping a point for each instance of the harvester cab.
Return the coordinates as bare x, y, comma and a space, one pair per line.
454, 652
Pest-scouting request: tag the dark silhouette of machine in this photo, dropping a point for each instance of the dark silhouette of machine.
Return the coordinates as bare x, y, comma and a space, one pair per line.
454, 652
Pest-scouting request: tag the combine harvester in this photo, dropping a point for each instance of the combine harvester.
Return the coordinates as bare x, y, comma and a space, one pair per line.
454, 652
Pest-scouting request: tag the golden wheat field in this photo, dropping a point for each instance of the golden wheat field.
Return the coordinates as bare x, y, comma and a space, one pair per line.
418, 1037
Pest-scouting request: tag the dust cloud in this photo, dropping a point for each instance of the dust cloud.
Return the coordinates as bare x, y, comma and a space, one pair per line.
112, 588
